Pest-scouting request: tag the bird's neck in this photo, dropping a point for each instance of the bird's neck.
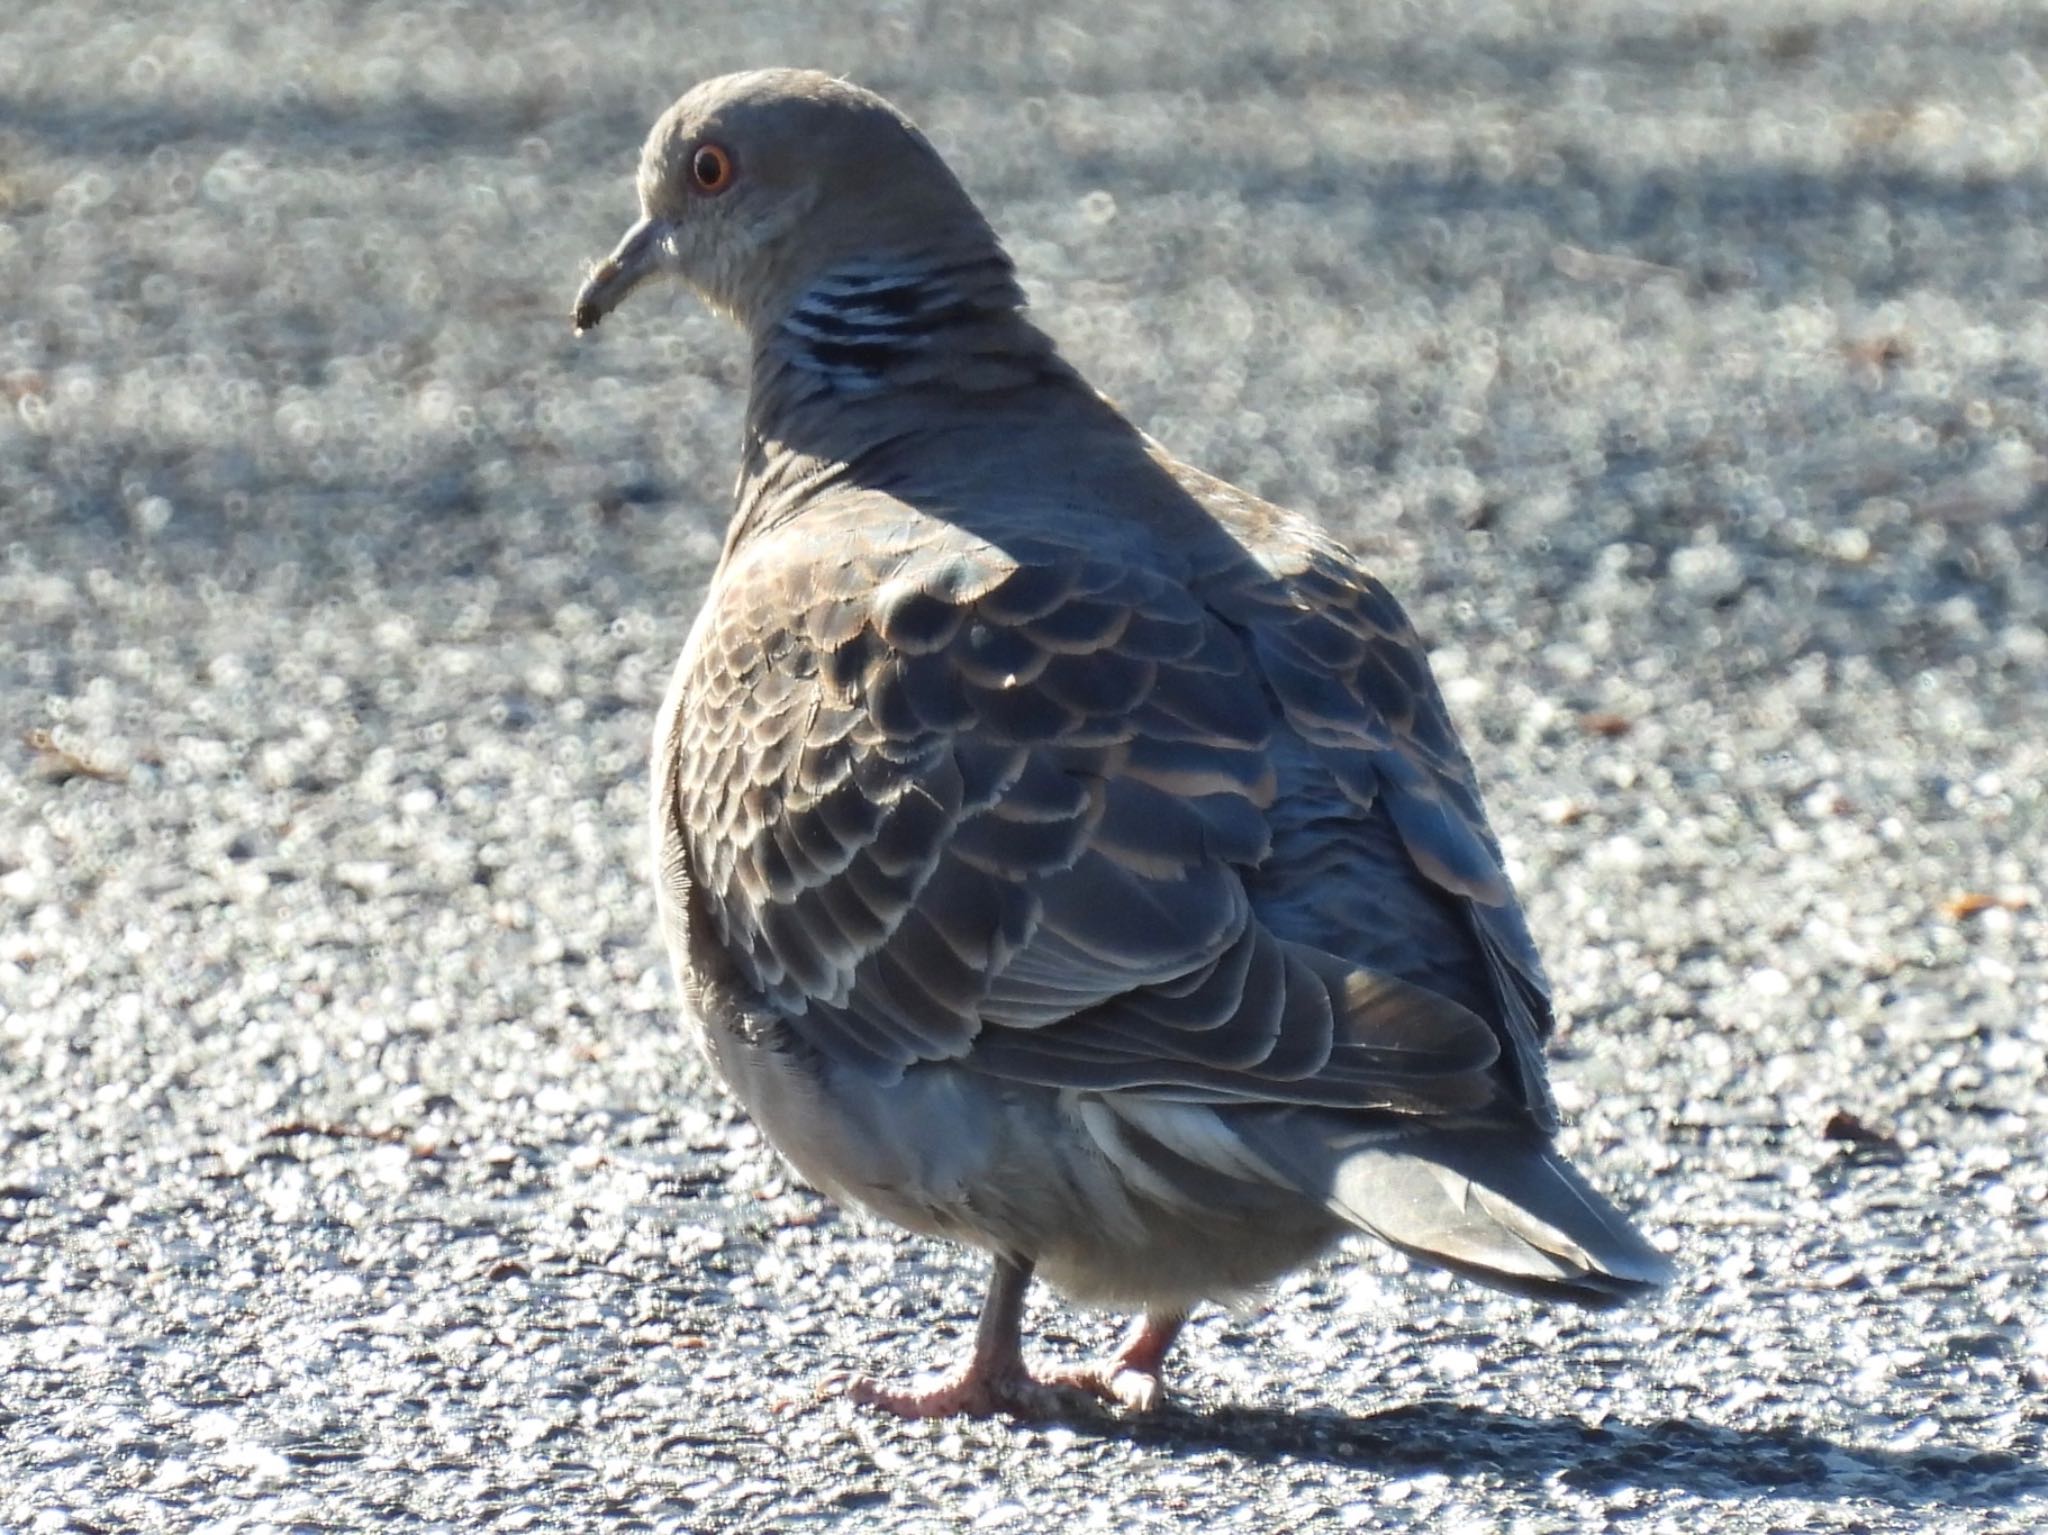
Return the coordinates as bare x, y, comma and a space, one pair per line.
867, 326
875, 361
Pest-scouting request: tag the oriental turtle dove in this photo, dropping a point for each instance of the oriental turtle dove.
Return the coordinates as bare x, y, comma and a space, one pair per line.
1062, 851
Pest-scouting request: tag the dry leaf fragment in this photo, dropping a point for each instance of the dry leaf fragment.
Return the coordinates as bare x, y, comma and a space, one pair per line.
1962, 907
59, 764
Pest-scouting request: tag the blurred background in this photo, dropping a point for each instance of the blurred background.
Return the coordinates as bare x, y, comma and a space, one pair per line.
1683, 367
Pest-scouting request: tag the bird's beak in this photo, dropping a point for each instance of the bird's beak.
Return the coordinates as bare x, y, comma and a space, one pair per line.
638, 257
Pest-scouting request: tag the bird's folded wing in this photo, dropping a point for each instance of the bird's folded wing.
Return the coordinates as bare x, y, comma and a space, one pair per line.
1351, 676
944, 800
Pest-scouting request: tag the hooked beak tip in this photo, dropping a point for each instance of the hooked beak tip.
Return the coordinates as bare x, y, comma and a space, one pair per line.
592, 300
637, 258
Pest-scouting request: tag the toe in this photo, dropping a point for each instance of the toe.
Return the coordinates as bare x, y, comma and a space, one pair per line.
1115, 1383
1136, 1390
963, 1396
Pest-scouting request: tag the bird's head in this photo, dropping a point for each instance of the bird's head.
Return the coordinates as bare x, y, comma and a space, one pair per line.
754, 186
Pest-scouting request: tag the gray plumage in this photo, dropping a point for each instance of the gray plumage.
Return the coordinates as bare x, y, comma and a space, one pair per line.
1063, 851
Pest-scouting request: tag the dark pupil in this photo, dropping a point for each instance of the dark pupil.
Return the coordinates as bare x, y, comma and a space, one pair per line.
710, 169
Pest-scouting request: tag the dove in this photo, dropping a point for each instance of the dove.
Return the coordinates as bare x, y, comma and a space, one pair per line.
1060, 851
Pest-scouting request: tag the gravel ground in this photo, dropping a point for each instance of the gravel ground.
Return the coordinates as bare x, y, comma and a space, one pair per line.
1684, 367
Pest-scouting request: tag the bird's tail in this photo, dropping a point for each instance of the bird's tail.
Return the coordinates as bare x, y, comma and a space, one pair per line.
1497, 1205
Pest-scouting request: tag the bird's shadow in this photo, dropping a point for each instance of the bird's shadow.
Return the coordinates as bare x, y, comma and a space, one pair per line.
1672, 1454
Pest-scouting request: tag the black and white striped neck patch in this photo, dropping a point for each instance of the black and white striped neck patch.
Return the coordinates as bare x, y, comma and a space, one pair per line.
857, 322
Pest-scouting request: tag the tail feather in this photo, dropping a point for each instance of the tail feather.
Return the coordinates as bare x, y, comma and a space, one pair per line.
1498, 1206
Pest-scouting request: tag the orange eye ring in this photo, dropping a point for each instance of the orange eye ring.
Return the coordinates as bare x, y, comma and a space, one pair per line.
710, 169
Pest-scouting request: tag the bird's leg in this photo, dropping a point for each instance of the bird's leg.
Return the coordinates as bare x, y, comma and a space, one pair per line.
994, 1378
1134, 1376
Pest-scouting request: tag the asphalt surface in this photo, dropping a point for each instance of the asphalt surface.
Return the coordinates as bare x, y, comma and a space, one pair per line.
1684, 368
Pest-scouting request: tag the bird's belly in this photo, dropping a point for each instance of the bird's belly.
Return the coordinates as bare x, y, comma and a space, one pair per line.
1016, 1169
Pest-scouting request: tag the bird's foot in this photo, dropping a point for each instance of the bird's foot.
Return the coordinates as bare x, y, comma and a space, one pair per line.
994, 1381
973, 1392
1134, 1377
1113, 1380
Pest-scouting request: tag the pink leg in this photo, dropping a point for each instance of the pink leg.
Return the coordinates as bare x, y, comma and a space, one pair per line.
1133, 1377
994, 1379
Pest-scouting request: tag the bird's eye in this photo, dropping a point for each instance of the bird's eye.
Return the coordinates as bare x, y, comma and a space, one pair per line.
710, 168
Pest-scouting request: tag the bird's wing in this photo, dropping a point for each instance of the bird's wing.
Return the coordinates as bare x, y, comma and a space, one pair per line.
1352, 679
943, 800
